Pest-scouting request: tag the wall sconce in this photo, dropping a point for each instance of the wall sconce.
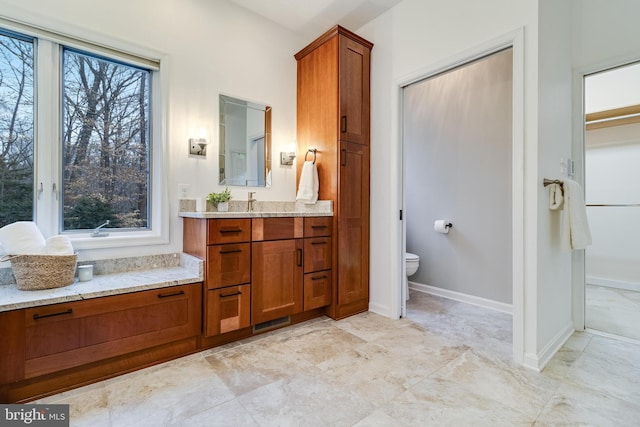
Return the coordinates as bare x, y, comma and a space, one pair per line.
286, 158
198, 146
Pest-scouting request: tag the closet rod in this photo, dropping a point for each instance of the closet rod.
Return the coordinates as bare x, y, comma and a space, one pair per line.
633, 205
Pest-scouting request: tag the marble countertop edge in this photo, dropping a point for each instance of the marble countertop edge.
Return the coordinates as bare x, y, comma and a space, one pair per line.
11, 298
213, 215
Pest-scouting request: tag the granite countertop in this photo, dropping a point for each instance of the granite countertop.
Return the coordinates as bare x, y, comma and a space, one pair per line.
238, 209
189, 270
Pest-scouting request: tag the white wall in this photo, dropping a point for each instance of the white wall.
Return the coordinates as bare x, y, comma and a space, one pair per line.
553, 292
211, 47
457, 139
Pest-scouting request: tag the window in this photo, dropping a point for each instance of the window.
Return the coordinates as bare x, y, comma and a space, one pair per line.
16, 128
80, 138
105, 116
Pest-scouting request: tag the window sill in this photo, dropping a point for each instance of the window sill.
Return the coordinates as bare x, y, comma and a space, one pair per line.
117, 240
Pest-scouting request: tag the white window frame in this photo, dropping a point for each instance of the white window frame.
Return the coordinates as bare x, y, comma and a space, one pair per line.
48, 170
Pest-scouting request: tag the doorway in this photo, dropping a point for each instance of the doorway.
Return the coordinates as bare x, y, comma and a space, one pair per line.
457, 138
612, 193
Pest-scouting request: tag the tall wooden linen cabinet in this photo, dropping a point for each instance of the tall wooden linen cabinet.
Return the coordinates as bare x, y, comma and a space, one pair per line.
333, 117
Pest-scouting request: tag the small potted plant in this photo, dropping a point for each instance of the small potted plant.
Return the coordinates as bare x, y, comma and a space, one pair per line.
220, 200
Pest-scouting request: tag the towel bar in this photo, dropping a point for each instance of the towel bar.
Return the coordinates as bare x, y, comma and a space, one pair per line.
311, 150
548, 182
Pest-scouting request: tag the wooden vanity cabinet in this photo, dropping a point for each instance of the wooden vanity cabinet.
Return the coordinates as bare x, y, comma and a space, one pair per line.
62, 336
58, 346
261, 269
333, 115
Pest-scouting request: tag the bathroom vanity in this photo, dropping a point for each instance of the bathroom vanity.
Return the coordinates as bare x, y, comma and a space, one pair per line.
260, 272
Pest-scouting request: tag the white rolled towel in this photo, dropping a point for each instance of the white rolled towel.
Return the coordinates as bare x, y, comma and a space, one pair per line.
22, 238
59, 245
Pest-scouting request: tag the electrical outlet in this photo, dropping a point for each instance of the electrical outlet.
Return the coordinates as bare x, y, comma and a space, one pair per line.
183, 191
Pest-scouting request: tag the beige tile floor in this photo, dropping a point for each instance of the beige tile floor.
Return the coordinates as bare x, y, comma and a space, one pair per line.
613, 311
447, 363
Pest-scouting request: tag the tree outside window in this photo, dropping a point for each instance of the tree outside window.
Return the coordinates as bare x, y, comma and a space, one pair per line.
16, 129
106, 152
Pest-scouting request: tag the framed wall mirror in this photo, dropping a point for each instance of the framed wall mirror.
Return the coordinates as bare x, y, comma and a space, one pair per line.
244, 152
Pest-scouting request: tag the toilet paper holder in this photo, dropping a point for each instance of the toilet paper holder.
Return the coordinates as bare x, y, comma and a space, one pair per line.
442, 226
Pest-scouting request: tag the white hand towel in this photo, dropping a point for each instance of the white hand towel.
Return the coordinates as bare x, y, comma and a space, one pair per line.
22, 238
309, 184
575, 228
59, 245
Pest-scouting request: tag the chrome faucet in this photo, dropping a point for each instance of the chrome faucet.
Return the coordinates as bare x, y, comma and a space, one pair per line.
98, 233
250, 201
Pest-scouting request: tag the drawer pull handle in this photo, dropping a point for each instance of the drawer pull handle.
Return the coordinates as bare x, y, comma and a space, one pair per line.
60, 313
231, 295
175, 294
343, 155
343, 124
299, 257
231, 230
319, 277
318, 226
233, 251
319, 243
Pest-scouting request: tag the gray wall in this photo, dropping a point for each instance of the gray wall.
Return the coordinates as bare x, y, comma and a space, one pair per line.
457, 141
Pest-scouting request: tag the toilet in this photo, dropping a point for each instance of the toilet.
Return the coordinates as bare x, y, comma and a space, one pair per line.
412, 263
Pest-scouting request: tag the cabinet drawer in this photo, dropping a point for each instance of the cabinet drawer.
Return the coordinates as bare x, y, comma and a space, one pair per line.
277, 228
228, 231
318, 226
317, 254
317, 289
65, 335
228, 265
228, 309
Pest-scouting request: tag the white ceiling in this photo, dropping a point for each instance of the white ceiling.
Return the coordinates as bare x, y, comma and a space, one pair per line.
310, 18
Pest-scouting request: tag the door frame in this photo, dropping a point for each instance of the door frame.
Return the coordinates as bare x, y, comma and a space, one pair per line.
515, 41
578, 261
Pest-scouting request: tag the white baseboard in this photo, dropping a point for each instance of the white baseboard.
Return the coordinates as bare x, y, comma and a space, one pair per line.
538, 361
380, 309
458, 296
611, 283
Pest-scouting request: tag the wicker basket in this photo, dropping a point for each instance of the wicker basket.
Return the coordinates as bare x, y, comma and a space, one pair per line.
35, 272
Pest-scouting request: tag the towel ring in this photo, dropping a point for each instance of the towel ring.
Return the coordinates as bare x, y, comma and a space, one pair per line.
311, 150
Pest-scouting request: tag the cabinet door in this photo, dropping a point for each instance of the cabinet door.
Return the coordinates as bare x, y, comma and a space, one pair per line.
353, 224
228, 265
228, 309
277, 279
317, 289
317, 254
354, 91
